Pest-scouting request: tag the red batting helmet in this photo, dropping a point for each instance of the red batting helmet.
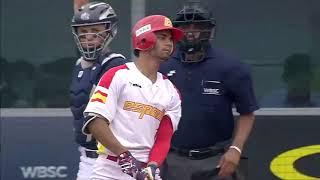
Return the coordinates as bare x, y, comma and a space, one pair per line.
143, 37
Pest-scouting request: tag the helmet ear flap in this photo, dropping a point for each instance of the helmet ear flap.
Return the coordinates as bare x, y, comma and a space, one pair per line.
146, 41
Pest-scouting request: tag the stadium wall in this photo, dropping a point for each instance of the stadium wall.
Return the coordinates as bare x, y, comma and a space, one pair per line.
38, 144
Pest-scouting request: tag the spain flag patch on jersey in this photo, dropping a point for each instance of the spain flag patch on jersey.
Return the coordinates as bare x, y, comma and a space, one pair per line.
99, 96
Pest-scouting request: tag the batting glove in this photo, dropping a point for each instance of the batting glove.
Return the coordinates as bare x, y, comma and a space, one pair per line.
128, 164
147, 173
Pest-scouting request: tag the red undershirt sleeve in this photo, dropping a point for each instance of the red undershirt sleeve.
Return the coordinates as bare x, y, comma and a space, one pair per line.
162, 143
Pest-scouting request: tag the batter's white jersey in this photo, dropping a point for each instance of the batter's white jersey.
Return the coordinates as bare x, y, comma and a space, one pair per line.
134, 107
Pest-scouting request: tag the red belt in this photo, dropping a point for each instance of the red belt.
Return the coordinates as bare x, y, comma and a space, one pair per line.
112, 158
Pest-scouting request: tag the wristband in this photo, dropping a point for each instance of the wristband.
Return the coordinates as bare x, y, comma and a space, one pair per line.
236, 148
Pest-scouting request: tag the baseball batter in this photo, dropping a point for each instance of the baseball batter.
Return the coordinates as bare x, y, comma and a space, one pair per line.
94, 26
135, 109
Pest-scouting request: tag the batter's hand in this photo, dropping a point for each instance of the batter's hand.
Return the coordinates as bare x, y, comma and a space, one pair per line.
141, 175
147, 173
228, 163
128, 164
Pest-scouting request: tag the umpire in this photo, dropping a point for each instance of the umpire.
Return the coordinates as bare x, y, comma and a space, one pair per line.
209, 142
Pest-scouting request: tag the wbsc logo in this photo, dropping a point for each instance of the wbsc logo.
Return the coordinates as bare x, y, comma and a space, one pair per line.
44, 172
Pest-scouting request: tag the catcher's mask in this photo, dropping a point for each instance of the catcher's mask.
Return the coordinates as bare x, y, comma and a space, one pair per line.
91, 14
143, 36
198, 26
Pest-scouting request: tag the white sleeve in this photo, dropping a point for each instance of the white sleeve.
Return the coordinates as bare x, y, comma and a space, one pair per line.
174, 108
104, 99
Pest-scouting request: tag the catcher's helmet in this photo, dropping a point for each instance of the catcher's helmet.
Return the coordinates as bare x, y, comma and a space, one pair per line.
94, 13
193, 13
143, 37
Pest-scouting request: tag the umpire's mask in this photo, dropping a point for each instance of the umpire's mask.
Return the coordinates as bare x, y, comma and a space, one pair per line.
198, 26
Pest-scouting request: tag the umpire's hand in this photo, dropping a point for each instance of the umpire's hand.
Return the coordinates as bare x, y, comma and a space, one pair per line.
228, 163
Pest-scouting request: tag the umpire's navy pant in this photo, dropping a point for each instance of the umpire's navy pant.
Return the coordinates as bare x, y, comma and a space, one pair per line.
179, 167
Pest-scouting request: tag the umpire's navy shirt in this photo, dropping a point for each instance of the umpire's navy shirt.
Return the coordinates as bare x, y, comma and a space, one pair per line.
209, 89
